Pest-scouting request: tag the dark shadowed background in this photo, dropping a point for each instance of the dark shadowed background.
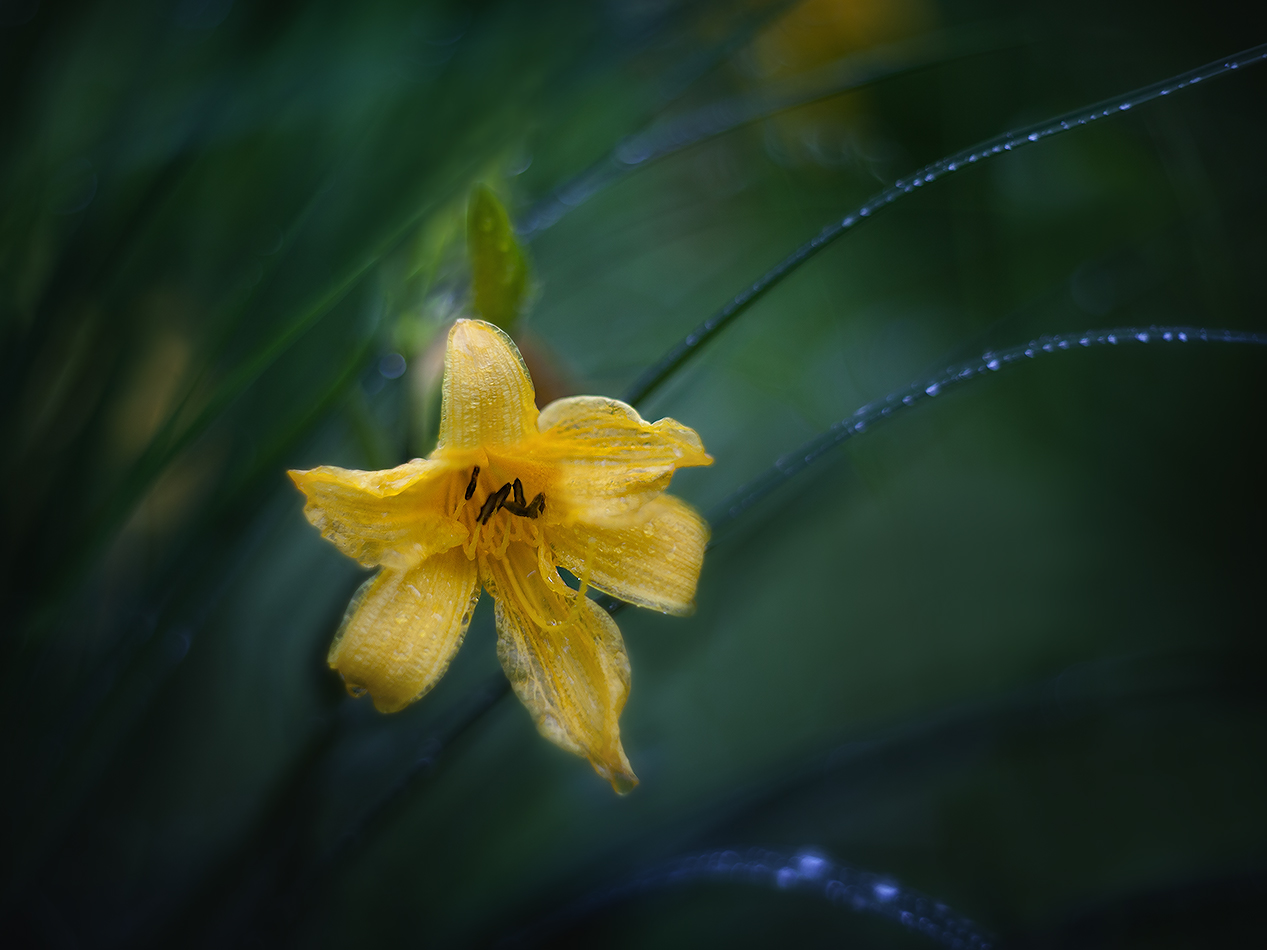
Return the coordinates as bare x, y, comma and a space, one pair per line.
1005, 650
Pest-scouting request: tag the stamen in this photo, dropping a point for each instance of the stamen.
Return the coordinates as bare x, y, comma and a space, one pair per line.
470, 489
517, 507
585, 582
493, 502
469, 548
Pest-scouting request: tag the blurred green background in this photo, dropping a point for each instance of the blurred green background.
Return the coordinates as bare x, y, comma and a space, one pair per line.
1006, 649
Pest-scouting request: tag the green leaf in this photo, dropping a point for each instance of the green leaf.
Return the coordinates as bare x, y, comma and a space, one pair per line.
499, 270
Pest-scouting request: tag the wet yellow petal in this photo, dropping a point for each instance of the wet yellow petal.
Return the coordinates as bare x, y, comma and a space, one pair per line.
403, 627
655, 563
607, 461
487, 395
395, 518
565, 659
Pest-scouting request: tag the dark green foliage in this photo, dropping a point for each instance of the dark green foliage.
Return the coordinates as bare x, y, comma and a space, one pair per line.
1006, 648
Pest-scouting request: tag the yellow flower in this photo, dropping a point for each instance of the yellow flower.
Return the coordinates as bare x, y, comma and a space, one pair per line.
507, 497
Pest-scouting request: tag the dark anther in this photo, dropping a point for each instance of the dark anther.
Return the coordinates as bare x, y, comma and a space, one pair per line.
470, 489
493, 502
518, 507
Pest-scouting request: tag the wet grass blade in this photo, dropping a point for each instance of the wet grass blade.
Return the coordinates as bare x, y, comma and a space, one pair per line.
660, 371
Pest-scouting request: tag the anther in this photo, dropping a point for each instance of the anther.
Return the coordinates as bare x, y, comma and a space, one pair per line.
470, 489
493, 502
519, 493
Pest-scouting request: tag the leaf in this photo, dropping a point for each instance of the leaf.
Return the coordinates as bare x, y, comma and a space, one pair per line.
499, 270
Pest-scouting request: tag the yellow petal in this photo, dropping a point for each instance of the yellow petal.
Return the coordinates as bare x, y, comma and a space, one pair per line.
487, 395
403, 627
607, 462
395, 518
565, 659
655, 563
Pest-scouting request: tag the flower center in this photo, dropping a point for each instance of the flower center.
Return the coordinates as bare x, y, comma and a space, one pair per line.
496, 516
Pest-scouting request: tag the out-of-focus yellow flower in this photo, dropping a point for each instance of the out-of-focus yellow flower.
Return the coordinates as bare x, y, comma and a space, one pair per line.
508, 496
815, 32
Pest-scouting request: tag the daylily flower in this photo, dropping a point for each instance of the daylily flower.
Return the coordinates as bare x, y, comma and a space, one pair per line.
508, 496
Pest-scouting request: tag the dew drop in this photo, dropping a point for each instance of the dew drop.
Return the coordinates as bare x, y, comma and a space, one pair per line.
884, 892
810, 866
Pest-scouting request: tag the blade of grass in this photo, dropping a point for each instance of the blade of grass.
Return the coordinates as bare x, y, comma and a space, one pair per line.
793, 463
1120, 685
655, 375
808, 871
